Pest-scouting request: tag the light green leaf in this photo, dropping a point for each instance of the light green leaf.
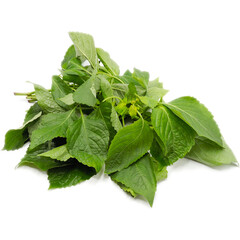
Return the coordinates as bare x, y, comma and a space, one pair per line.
32, 158
155, 83
141, 77
156, 93
51, 126
139, 177
108, 63
129, 144
69, 175
207, 152
177, 137
87, 141
45, 100
86, 93
106, 88
84, 46
197, 116
59, 153
68, 99
115, 120
148, 101
70, 54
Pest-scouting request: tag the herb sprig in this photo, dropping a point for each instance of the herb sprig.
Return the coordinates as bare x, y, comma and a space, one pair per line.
94, 117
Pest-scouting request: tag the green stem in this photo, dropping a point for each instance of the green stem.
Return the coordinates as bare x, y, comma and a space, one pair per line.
112, 76
123, 122
140, 115
24, 94
81, 110
112, 97
31, 101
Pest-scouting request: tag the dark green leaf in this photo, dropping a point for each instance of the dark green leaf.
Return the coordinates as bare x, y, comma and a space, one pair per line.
160, 171
177, 137
139, 177
69, 175
46, 101
59, 90
129, 144
32, 158
15, 138
32, 114
197, 116
104, 112
87, 141
70, 54
51, 126
86, 93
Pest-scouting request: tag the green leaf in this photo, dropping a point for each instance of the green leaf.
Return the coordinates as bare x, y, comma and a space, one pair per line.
59, 90
108, 63
131, 93
32, 114
148, 101
104, 112
70, 54
59, 153
133, 111
86, 93
155, 83
156, 93
209, 153
46, 101
117, 125
51, 126
197, 116
160, 171
87, 141
139, 177
16, 138
69, 175
119, 89
141, 77
68, 99
129, 144
84, 46
157, 152
32, 159
177, 137
121, 108
106, 88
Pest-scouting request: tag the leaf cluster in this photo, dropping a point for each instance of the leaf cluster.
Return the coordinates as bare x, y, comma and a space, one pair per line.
94, 117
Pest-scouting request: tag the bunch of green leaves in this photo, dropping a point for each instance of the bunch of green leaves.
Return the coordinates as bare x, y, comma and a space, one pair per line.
94, 117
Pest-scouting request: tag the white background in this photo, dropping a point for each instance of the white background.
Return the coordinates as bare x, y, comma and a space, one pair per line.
194, 46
